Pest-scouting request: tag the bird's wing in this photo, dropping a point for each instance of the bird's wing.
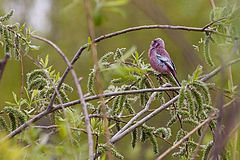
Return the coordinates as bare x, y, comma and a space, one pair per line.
173, 66
167, 61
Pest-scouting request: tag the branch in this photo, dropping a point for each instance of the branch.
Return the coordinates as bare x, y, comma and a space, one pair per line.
117, 94
171, 27
3, 64
110, 35
146, 108
184, 138
56, 90
164, 106
114, 139
104, 116
79, 91
212, 4
213, 73
46, 112
206, 121
82, 48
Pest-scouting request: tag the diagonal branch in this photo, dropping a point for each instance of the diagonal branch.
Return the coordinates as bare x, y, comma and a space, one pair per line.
164, 106
146, 108
79, 91
184, 138
131, 29
46, 112
206, 121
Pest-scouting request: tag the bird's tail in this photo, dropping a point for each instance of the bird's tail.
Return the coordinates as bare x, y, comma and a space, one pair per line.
176, 80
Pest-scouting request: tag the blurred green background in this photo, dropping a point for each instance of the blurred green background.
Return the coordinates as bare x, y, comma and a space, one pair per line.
64, 23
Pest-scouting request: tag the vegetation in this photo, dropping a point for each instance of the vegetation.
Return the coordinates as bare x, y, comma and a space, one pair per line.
122, 95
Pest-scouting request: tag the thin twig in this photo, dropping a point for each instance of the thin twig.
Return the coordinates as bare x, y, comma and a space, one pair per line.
172, 27
79, 91
46, 112
211, 23
204, 131
108, 117
22, 78
206, 121
98, 79
117, 94
164, 106
146, 108
58, 94
184, 138
212, 4
114, 139
83, 47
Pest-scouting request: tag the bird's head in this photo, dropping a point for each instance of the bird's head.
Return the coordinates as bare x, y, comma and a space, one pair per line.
158, 42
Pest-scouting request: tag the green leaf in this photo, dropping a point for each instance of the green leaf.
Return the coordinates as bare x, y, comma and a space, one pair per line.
38, 100
46, 62
89, 44
10, 103
34, 93
110, 127
22, 27
15, 97
23, 101
26, 91
196, 73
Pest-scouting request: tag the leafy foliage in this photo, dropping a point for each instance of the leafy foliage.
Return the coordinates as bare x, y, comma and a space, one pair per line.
38, 93
123, 70
193, 105
14, 38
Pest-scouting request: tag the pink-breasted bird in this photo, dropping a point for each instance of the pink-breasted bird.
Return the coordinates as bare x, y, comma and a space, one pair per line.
160, 59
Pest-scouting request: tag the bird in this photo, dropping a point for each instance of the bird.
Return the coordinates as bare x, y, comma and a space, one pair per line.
160, 59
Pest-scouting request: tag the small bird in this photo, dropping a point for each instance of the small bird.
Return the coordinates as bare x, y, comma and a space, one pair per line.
160, 59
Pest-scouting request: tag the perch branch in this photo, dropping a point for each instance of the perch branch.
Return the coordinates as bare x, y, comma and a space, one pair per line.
117, 94
164, 106
46, 112
131, 29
